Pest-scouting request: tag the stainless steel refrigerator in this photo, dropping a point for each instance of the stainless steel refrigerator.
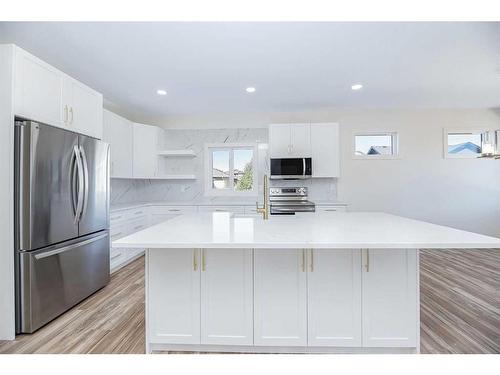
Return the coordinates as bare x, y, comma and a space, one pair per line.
61, 221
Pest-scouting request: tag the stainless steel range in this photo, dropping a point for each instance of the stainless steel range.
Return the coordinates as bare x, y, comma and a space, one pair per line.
289, 200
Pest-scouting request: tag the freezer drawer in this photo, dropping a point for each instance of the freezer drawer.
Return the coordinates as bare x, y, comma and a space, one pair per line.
55, 278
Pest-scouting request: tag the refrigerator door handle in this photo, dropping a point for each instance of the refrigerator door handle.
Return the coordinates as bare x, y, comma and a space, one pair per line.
79, 167
86, 181
73, 176
69, 247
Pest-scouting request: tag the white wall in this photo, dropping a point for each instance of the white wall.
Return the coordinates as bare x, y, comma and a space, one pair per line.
462, 193
6, 196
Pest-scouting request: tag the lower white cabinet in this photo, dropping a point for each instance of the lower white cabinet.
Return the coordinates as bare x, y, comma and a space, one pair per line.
226, 297
283, 297
159, 214
173, 296
211, 286
330, 208
334, 297
280, 294
232, 209
390, 298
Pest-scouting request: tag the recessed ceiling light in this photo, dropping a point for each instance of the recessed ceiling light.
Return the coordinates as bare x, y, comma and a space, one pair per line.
357, 87
161, 92
250, 89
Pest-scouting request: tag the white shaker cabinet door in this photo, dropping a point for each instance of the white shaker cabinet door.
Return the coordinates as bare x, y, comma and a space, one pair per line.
300, 140
85, 108
280, 311
118, 133
325, 150
389, 278
226, 297
334, 297
38, 90
173, 296
145, 151
279, 141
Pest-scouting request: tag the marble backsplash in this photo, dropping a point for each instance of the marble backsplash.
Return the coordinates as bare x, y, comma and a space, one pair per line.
131, 190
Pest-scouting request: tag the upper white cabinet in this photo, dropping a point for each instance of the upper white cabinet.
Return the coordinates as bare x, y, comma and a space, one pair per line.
118, 133
325, 150
145, 150
389, 298
334, 297
320, 141
289, 140
280, 298
84, 108
226, 297
37, 89
43, 93
300, 140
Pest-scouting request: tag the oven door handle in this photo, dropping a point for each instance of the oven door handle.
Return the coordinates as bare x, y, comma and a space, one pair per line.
284, 209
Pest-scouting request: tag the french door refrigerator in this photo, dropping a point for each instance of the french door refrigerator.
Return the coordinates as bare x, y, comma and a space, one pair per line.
61, 221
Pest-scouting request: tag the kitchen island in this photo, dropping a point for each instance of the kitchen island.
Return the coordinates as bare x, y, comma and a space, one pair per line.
337, 282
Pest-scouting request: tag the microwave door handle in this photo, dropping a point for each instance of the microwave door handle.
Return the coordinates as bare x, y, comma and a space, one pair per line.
304, 167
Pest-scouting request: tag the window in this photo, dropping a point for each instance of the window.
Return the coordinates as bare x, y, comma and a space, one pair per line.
462, 143
376, 145
230, 169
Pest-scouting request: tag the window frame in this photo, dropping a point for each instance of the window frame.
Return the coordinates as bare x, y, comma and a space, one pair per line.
447, 131
230, 192
395, 145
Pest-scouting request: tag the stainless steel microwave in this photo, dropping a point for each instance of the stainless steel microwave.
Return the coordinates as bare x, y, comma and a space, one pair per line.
291, 168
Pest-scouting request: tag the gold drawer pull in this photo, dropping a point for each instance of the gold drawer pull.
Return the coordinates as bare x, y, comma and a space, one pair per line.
195, 263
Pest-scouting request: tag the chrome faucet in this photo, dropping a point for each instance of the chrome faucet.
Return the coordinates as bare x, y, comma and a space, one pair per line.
264, 210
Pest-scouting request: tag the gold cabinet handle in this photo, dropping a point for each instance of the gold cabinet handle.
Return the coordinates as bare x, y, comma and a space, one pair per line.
71, 113
203, 264
303, 261
311, 264
195, 263
367, 263
65, 114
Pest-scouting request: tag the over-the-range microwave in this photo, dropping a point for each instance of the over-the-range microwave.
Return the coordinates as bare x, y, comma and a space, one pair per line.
291, 168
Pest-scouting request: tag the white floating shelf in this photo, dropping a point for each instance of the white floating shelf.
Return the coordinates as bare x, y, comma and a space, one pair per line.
167, 153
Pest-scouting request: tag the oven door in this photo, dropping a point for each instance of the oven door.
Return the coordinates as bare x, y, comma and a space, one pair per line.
291, 168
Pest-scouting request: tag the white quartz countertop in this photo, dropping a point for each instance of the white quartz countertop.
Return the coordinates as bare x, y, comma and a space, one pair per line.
333, 230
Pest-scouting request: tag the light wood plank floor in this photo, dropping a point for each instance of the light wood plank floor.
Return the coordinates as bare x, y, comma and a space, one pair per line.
460, 310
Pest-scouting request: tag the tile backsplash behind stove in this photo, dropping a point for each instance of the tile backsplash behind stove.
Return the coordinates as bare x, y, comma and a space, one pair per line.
186, 191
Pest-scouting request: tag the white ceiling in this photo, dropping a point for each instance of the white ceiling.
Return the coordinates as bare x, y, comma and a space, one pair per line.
205, 67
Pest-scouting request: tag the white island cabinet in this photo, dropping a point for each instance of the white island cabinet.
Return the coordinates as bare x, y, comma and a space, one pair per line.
334, 297
173, 294
390, 295
228, 283
280, 298
211, 286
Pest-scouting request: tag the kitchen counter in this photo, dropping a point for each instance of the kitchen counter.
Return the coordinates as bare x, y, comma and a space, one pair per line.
340, 230
333, 282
